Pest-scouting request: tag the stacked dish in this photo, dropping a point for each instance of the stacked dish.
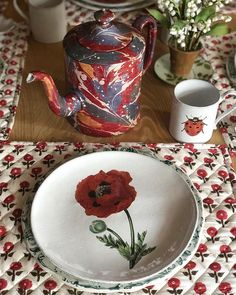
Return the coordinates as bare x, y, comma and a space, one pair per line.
115, 5
231, 68
6, 24
113, 237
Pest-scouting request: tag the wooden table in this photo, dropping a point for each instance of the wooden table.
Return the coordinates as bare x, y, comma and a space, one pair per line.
35, 121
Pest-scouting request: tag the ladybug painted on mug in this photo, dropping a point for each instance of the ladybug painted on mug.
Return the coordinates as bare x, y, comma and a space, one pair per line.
193, 126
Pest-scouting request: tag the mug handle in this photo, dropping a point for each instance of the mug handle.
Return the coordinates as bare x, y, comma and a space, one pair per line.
20, 12
151, 24
227, 112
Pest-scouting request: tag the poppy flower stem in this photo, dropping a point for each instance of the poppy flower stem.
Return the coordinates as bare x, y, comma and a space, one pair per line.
132, 239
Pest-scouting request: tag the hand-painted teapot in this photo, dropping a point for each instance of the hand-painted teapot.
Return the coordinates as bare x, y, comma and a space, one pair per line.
104, 61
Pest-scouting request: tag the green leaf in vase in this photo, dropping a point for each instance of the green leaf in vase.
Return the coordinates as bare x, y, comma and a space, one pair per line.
206, 13
162, 19
179, 24
218, 30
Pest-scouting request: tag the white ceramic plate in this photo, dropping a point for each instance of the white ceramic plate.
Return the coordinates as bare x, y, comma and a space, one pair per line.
6, 24
116, 8
165, 207
201, 70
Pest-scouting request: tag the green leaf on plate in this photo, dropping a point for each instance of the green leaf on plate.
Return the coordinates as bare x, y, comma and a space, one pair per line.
109, 241
125, 251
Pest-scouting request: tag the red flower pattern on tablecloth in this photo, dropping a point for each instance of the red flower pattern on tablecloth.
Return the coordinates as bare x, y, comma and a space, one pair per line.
3, 284
3, 232
41, 147
233, 233
190, 267
38, 272
230, 203
15, 173
189, 161
8, 202
48, 160
209, 162
16, 215
36, 172
18, 148
215, 246
28, 160
24, 287
223, 175
3, 187
200, 288
222, 217
215, 267
197, 186
174, 285
202, 174
202, 251
8, 161
24, 187
49, 285
226, 252
7, 250
208, 203
225, 288
232, 178
168, 157
212, 232
14, 270
216, 189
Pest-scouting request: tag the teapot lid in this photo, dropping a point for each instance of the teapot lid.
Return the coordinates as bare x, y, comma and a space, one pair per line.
101, 36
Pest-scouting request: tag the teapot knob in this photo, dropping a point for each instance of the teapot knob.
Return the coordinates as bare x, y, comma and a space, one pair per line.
104, 17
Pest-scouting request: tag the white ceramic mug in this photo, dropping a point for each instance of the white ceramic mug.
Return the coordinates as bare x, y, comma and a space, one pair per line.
47, 19
194, 110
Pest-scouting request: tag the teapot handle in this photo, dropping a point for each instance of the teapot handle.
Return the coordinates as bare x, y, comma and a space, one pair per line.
139, 24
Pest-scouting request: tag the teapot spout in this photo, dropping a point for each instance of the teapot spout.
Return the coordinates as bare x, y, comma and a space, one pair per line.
61, 105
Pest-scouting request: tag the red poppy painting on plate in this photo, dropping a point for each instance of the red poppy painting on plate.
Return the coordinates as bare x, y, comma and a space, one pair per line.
104, 194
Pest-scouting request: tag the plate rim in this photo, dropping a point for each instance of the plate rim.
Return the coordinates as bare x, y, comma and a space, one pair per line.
140, 283
121, 4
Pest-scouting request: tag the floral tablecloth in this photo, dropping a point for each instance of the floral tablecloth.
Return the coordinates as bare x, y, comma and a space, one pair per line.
212, 270
13, 46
